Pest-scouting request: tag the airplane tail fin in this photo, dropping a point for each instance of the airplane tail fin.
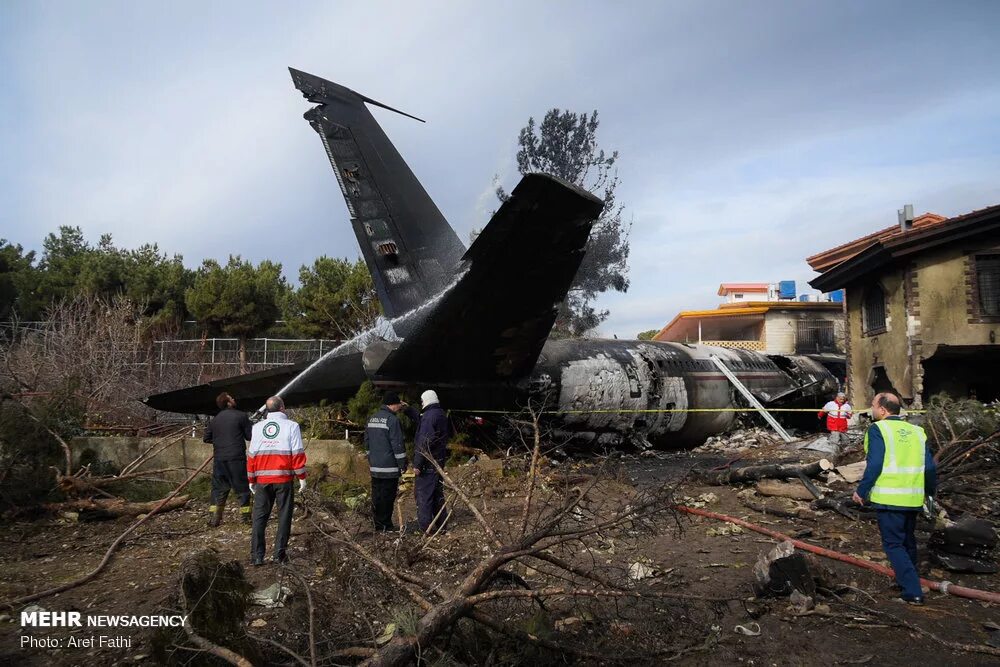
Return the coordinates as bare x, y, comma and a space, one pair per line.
410, 249
491, 325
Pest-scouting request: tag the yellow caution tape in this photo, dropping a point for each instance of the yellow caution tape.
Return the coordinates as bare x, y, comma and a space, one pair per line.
657, 411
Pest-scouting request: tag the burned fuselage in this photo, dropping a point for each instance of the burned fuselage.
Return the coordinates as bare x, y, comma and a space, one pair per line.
664, 395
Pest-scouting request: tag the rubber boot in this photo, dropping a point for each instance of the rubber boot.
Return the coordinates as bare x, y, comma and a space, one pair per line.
245, 514
216, 519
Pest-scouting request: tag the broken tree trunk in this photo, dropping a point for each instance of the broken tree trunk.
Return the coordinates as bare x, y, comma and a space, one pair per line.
793, 490
774, 511
78, 485
770, 471
100, 509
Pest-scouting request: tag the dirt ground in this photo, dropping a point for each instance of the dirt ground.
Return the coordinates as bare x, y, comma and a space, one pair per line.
685, 554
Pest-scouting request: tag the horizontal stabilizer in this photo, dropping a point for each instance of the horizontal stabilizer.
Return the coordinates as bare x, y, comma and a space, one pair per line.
333, 379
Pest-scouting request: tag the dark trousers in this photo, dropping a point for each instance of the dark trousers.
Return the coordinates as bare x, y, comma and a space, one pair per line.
429, 491
900, 545
383, 501
267, 496
230, 475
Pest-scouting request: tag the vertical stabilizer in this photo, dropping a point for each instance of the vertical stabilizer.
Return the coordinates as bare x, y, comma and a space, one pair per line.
411, 250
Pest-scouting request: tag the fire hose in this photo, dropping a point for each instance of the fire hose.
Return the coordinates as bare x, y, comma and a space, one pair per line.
941, 586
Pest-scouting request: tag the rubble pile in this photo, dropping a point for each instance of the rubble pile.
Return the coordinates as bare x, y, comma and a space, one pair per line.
966, 545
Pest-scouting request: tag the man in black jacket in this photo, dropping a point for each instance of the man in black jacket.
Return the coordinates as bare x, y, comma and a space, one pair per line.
386, 459
228, 432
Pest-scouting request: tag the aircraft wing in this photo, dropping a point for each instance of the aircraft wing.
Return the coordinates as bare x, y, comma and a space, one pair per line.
332, 379
492, 323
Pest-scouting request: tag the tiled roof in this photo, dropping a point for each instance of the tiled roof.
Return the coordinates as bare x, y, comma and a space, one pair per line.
824, 260
896, 244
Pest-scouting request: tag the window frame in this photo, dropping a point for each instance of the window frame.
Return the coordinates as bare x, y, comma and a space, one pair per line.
866, 295
976, 296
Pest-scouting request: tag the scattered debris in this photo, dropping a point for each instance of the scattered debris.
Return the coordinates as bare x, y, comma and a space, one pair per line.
965, 545
566, 623
744, 630
271, 597
782, 570
799, 603
822, 444
852, 472
387, 634
638, 571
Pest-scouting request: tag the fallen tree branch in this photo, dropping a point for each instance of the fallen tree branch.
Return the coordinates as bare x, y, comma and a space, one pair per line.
111, 550
309, 601
785, 514
770, 471
118, 507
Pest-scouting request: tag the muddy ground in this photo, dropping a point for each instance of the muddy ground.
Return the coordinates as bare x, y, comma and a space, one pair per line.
684, 554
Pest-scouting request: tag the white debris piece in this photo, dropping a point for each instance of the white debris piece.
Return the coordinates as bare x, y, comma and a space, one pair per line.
272, 596
638, 571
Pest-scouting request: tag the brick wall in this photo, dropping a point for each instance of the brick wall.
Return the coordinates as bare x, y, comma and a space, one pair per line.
914, 334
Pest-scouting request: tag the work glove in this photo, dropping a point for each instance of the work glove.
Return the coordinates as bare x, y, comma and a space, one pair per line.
253, 488
302, 485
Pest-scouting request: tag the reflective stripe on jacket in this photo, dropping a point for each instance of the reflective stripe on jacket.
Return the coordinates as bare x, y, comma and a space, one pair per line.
901, 482
384, 442
276, 453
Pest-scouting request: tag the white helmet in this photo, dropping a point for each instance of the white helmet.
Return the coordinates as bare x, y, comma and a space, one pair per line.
429, 397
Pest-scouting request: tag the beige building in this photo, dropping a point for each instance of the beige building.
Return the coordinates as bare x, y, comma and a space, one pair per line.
772, 327
922, 307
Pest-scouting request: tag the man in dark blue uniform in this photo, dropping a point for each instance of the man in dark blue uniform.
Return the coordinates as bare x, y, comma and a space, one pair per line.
431, 443
386, 459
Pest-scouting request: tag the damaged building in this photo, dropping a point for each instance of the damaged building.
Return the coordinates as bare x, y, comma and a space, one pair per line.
766, 318
922, 306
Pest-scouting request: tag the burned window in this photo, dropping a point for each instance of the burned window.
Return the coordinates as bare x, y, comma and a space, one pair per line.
988, 281
874, 309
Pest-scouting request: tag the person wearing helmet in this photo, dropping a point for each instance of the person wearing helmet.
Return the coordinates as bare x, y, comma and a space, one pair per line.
431, 443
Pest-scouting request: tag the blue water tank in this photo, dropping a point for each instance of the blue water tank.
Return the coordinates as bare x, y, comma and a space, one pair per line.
786, 289
838, 296
803, 297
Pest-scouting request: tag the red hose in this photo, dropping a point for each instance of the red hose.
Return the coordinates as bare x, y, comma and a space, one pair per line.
944, 587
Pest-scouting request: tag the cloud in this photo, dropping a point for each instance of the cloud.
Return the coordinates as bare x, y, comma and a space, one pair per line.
751, 134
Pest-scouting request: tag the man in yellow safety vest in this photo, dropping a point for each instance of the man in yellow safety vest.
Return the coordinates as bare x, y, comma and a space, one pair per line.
899, 471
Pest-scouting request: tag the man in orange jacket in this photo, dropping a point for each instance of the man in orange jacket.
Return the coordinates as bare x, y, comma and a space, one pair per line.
275, 459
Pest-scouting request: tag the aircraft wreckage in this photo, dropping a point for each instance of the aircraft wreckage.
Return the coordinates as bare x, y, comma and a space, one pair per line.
473, 323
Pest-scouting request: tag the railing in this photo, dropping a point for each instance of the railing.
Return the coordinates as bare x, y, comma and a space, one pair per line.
755, 345
260, 352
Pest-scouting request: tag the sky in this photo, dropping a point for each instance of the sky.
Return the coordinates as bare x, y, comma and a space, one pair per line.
751, 134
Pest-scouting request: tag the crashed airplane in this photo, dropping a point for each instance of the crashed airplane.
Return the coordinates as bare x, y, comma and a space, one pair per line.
473, 323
